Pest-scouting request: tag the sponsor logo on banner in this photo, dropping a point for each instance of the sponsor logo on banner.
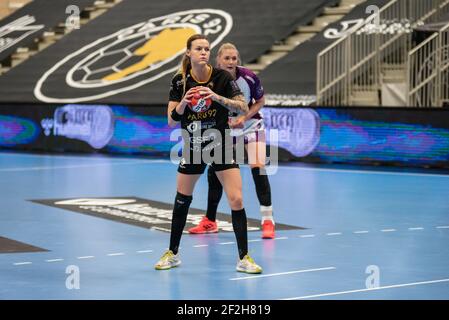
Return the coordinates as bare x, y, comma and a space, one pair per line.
17, 30
298, 128
386, 27
144, 213
367, 27
92, 124
293, 100
131, 57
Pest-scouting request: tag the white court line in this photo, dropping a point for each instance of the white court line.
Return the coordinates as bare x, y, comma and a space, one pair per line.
12, 154
368, 289
144, 251
22, 263
91, 165
282, 273
367, 172
225, 243
47, 156
280, 167
90, 158
54, 260
162, 229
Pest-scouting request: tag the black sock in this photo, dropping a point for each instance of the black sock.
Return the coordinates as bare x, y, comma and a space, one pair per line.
214, 194
262, 184
241, 231
180, 210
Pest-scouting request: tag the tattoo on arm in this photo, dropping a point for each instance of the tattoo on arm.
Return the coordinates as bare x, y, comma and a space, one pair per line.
236, 104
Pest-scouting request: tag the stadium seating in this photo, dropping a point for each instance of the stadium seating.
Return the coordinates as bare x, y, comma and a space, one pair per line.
86, 65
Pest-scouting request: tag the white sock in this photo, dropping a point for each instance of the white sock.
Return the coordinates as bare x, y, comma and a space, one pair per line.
267, 213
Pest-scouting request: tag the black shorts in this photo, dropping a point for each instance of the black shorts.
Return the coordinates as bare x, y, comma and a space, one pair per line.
190, 168
193, 162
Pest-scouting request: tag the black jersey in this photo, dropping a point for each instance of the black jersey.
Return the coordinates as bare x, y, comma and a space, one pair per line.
222, 83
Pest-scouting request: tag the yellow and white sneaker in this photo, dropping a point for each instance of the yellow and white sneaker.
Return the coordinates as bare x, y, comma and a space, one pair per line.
167, 261
248, 265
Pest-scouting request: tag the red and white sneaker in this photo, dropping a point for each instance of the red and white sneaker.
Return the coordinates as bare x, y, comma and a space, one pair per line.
268, 229
205, 226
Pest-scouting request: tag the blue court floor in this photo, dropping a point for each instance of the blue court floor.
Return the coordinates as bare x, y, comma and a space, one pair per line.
369, 234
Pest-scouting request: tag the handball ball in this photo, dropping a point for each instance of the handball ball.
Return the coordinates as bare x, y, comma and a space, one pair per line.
198, 104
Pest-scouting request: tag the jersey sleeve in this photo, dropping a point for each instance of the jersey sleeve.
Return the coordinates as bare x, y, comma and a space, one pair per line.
232, 89
258, 91
176, 88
